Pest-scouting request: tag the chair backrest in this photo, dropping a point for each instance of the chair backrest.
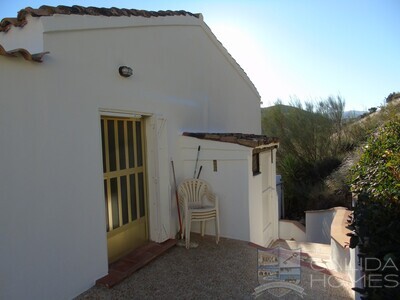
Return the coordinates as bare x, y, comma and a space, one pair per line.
192, 191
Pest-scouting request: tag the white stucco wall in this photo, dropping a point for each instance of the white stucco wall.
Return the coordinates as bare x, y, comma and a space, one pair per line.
176, 59
263, 213
290, 229
257, 205
269, 163
340, 257
51, 181
52, 216
318, 225
345, 261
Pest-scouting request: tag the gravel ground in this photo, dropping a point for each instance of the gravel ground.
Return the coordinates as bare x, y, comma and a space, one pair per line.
224, 271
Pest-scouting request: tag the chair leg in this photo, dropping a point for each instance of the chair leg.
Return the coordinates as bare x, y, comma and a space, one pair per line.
203, 223
188, 225
217, 229
183, 228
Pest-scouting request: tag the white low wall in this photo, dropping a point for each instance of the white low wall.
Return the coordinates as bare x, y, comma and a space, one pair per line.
340, 251
355, 272
328, 227
318, 224
292, 230
340, 257
344, 259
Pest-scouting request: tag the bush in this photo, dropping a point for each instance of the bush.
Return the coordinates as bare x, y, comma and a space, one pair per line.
378, 172
376, 224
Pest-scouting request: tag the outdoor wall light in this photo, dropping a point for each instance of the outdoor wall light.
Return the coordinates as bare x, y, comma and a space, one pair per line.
125, 71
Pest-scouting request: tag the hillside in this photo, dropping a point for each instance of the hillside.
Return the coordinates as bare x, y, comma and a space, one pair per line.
287, 109
284, 109
351, 114
274, 116
317, 150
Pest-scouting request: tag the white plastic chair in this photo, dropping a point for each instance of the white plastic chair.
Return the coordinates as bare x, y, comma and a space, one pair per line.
199, 204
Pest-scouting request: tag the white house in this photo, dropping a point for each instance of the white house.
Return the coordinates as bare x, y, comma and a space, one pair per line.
86, 149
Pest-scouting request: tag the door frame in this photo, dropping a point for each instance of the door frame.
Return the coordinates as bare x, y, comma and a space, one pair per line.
130, 231
157, 172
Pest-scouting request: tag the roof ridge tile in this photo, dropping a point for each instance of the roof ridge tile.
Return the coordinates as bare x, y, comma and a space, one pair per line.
46, 10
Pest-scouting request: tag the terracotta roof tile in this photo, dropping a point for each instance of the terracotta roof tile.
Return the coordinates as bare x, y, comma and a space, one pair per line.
37, 57
46, 10
248, 140
7, 23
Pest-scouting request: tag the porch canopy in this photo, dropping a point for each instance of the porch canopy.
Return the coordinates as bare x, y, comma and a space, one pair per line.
248, 140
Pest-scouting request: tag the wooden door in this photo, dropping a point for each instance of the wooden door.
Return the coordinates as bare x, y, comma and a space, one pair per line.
125, 193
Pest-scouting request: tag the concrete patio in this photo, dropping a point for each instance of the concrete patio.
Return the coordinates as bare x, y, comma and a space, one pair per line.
224, 271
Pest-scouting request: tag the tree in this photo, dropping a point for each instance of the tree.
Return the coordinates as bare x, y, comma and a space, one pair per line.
392, 96
334, 110
310, 137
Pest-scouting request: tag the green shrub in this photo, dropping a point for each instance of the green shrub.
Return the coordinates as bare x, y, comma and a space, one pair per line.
376, 219
378, 172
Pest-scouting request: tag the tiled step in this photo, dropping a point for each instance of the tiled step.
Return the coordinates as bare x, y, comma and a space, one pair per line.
132, 262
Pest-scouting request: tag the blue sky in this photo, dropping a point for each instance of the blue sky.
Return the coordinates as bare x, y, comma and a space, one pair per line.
308, 49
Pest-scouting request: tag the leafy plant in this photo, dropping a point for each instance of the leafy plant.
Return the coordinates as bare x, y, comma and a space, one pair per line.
376, 218
378, 171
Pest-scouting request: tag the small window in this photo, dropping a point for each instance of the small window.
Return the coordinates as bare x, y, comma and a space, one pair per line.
256, 164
